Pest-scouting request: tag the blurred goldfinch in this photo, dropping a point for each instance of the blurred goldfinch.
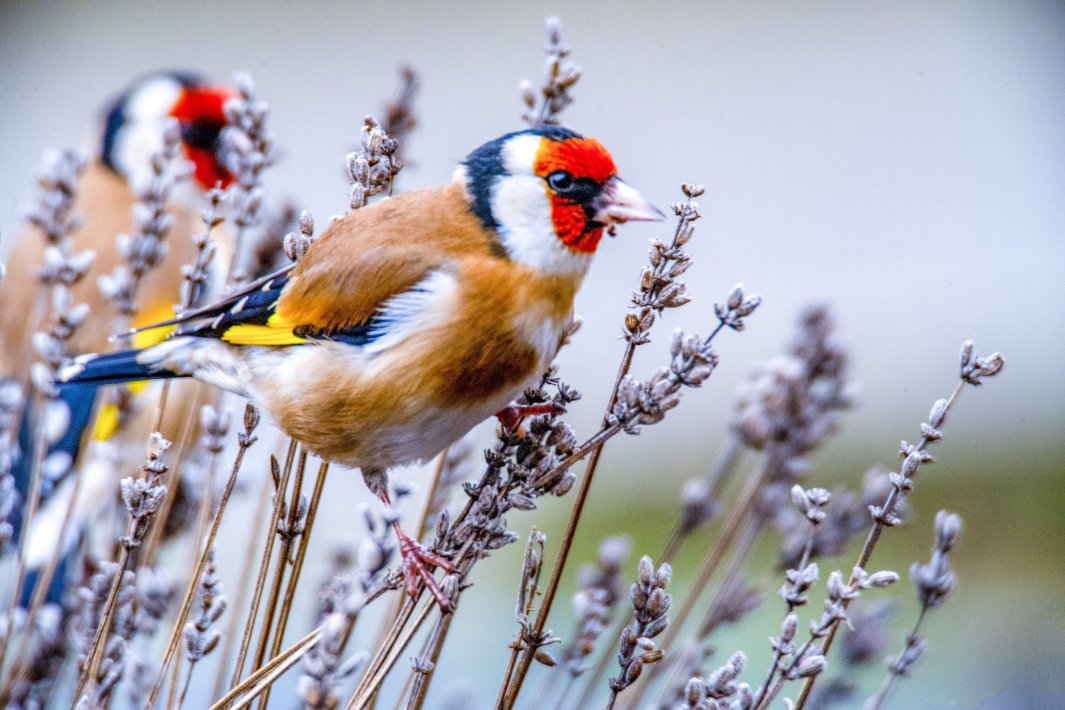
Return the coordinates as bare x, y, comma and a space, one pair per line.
409, 321
131, 130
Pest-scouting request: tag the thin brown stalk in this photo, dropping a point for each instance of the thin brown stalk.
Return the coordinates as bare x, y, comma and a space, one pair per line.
429, 661
390, 618
508, 675
96, 648
389, 643
201, 563
175, 674
423, 520
297, 566
434, 487
32, 503
261, 678
40, 590
567, 541
285, 549
371, 684
373, 677
272, 670
242, 590
136, 527
281, 483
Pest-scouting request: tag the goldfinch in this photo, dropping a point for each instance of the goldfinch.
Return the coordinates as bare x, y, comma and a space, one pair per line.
131, 130
409, 321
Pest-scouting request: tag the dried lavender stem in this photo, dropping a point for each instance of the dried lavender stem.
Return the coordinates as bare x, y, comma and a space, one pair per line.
434, 487
95, 655
731, 529
297, 565
264, 566
460, 560
264, 677
204, 511
388, 651
133, 537
242, 590
201, 563
40, 448
762, 697
171, 693
595, 450
508, 675
567, 541
737, 556
267, 625
40, 590
384, 648
717, 476
867, 550
361, 698
434, 645
877, 702
155, 535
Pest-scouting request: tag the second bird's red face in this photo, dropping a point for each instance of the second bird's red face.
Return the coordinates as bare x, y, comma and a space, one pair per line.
201, 112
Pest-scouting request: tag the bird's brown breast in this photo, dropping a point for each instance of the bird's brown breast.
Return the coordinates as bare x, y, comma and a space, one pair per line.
105, 202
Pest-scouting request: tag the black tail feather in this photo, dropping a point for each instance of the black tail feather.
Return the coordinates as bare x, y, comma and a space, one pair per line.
112, 368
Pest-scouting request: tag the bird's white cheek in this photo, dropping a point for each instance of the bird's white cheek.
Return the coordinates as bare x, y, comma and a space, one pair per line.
523, 210
141, 136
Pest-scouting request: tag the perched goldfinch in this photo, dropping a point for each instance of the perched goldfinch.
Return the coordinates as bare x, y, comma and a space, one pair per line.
131, 130
409, 321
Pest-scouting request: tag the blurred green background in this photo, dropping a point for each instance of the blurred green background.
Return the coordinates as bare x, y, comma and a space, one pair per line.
901, 161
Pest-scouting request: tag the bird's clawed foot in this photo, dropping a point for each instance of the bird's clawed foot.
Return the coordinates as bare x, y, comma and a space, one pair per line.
418, 561
510, 417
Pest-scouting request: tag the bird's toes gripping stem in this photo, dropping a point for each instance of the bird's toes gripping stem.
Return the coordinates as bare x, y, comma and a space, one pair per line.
510, 417
418, 561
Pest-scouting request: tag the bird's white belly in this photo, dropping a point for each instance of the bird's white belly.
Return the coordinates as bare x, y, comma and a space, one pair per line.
390, 434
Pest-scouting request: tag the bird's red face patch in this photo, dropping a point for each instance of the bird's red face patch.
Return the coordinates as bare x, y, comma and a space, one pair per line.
583, 159
200, 111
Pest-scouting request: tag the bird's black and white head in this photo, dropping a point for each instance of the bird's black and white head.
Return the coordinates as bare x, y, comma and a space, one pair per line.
134, 123
549, 193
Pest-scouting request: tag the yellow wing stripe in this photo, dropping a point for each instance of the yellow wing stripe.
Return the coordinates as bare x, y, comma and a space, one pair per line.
277, 331
107, 419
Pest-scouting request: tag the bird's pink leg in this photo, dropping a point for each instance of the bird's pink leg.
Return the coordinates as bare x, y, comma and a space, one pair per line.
417, 563
510, 417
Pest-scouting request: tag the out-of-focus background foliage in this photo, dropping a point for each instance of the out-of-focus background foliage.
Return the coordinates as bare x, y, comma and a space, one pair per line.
902, 161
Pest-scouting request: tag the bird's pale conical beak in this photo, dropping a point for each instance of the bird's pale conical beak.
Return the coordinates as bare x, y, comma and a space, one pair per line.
621, 203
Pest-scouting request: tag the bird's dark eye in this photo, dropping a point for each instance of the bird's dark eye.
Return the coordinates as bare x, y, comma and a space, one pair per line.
573, 189
561, 182
201, 134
